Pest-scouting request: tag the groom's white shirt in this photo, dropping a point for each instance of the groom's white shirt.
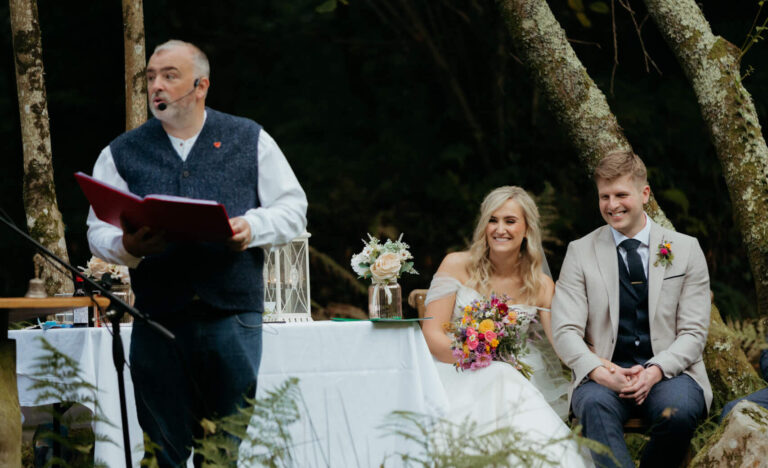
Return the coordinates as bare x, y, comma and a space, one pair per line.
644, 237
585, 308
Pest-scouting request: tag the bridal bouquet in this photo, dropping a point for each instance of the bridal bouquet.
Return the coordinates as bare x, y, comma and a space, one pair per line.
490, 330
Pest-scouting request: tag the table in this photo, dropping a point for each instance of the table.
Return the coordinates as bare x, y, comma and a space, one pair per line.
351, 375
14, 309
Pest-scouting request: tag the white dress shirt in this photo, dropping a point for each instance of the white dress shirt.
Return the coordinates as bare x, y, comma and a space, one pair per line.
280, 218
644, 236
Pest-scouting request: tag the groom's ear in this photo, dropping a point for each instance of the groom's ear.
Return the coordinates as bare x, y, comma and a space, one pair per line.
646, 191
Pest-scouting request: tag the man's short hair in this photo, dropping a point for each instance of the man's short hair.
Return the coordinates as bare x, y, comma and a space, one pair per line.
202, 67
620, 163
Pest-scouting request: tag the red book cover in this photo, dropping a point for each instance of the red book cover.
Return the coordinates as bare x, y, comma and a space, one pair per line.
182, 219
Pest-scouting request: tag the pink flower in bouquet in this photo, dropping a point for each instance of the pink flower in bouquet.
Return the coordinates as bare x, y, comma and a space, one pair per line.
664, 251
471, 332
490, 336
472, 342
484, 360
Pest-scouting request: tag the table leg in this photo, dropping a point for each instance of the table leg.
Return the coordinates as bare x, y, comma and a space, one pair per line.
10, 412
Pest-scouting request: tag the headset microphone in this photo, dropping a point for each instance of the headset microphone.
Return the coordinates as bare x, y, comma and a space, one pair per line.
163, 106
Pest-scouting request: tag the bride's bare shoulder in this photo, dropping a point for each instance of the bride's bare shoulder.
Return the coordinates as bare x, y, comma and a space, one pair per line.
456, 264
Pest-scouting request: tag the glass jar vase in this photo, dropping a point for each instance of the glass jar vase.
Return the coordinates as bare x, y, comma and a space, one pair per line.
385, 301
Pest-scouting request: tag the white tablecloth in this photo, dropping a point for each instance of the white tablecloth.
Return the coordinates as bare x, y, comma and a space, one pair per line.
351, 375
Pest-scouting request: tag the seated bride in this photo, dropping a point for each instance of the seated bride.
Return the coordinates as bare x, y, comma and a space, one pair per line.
505, 258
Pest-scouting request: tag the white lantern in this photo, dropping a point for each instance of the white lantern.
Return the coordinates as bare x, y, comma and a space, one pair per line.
286, 282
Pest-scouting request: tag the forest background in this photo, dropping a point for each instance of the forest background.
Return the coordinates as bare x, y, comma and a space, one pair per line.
397, 117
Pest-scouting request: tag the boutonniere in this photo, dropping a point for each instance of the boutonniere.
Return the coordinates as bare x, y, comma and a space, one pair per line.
664, 256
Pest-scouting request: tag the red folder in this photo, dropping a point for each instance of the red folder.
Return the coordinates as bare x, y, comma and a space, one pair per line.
182, 219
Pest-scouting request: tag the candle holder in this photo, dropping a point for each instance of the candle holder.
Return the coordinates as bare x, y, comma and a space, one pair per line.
286, 282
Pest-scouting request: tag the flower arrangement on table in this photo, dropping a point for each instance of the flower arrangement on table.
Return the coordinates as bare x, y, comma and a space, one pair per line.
491, 330
106, 274
383, 264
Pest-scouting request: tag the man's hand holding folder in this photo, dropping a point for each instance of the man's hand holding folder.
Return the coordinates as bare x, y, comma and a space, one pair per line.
149, 222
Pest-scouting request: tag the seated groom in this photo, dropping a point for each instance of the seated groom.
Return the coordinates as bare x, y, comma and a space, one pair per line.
636, 294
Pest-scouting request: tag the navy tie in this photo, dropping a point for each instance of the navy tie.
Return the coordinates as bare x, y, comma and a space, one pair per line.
636, 270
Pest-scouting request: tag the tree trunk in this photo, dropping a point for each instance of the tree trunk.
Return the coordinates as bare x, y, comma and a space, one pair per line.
43, 217
574, 98
135, 64
583, 111
712, 65
10, 412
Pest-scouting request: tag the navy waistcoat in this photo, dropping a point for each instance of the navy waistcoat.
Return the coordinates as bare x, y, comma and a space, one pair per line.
222, 166
633, 343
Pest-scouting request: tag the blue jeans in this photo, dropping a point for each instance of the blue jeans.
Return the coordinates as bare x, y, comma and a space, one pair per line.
603, 413
760, 397
207, 373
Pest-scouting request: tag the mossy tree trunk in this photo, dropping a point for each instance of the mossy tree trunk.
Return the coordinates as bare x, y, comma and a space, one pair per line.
10, 413
43, 217
573, 97
582, 110
712, 66
135, 64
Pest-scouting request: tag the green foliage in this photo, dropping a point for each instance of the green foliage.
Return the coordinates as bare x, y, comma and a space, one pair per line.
269, 445
444, 443
750, 335
58, 377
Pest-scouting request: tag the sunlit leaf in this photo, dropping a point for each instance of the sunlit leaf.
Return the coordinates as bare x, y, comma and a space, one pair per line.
599, 7
576, 5
584, 20
329, 6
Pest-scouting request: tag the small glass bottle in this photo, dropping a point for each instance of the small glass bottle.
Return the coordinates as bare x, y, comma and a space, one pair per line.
82, 315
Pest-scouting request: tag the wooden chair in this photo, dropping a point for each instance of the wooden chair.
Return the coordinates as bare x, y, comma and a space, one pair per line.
416, 300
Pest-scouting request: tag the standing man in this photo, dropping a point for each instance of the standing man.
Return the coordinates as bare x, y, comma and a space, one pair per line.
636, 294
210, 295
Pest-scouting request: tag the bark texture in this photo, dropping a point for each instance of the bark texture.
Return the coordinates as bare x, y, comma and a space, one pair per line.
712, 66
43, 217
573, 97
584, 113
10, 413
135, 64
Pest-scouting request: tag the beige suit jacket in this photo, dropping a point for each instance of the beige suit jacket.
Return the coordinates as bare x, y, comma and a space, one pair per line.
585, 308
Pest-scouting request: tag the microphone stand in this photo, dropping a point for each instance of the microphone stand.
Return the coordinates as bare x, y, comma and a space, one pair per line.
118, 308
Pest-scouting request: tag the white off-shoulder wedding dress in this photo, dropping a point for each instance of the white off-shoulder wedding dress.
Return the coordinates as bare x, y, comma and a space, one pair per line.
499, 396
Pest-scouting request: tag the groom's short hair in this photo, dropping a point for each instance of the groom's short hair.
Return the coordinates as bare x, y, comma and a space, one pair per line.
620, 163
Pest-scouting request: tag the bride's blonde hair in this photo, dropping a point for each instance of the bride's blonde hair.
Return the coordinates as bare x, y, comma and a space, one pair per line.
480, 267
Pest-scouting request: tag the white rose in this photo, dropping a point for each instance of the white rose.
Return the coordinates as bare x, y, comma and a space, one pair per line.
97, 267
357, 259
385, 267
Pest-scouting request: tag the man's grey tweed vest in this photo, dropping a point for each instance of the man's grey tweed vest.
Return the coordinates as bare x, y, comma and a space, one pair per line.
222, 166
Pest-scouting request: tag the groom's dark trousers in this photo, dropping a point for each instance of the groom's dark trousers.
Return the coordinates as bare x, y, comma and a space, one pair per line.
673, 407
603, 413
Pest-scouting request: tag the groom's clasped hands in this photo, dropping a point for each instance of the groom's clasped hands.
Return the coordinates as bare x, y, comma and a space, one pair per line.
634, 382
